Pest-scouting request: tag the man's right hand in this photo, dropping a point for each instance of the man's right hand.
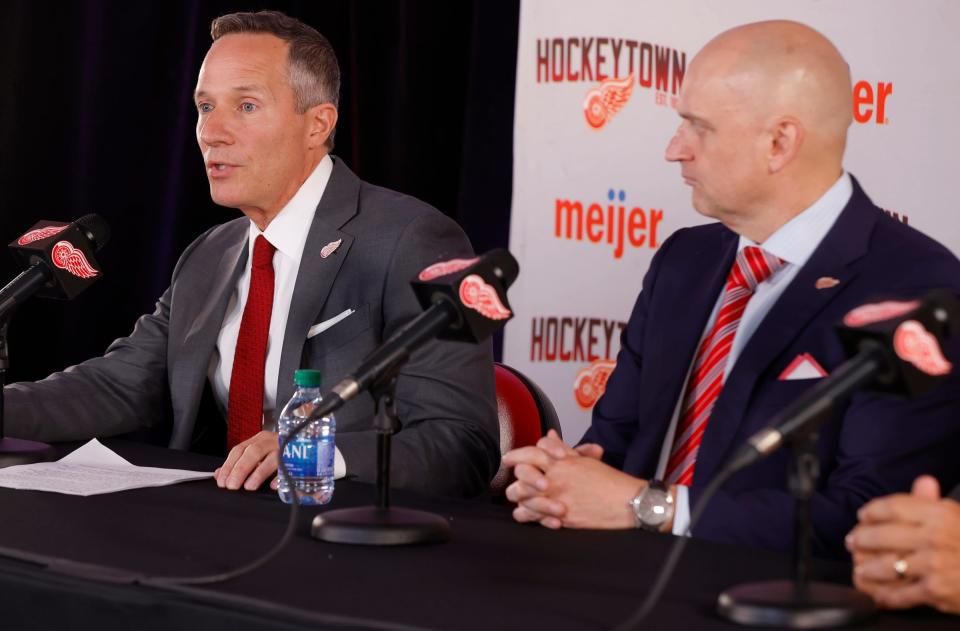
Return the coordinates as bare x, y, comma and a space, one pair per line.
250, 463
529, 491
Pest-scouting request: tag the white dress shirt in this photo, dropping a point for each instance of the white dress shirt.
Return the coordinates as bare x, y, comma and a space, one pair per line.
288, 234
794, 242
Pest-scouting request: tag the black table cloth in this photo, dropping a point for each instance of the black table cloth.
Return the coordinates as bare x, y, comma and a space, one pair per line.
494, 574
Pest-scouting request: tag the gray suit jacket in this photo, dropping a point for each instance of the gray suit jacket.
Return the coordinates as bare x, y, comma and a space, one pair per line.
445, 395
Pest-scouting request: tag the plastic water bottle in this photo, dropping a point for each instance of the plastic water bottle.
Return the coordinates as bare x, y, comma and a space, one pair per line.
309, 456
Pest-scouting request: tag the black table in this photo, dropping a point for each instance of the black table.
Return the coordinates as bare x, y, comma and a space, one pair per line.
495, 574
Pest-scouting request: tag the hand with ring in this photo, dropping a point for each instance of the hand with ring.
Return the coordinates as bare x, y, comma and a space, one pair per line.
906, 549
900, 567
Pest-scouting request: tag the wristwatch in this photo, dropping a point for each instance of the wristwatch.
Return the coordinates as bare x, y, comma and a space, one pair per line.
653, 506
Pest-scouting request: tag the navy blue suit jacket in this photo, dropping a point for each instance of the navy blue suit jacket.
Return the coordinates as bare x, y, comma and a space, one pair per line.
872, 446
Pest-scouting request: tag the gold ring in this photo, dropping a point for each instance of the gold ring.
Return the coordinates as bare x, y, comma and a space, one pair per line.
900, 566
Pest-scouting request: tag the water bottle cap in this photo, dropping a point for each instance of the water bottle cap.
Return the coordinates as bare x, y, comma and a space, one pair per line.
306, 378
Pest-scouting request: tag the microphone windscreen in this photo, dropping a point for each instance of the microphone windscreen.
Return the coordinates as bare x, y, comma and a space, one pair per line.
504, 266
913, 334
476, 288
96, 229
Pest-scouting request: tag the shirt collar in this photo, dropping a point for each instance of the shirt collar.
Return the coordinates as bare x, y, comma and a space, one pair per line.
795, 241
288, 230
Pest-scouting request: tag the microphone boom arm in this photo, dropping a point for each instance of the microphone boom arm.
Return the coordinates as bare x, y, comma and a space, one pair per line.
27, 282
382, 365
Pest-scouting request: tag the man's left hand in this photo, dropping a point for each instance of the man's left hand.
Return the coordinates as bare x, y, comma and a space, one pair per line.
593, 494
250, 463
560, 486
919, 531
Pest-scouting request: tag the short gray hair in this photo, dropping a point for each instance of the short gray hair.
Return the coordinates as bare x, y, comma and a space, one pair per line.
313, 71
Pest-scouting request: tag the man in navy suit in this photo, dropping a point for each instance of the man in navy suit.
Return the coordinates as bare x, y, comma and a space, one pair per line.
735, 319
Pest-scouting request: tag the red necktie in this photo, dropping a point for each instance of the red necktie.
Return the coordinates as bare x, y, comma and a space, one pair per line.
751, 268
245, 405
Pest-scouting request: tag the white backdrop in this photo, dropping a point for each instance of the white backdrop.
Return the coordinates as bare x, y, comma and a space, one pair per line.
589, 173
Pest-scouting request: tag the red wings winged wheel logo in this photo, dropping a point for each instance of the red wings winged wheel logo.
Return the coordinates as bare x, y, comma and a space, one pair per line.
605, 100
915, 344
879, 311
592, 381
69, 258
478, 295
446, 267
39, 234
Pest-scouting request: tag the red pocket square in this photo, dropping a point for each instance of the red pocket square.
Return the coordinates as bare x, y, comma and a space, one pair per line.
804, 366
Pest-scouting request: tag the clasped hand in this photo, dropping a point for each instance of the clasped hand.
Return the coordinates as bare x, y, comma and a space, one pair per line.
906, 549
569, 487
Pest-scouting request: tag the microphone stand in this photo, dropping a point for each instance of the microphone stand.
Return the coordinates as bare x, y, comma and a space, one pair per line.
14, 451
381, 525
800, 603
445, 311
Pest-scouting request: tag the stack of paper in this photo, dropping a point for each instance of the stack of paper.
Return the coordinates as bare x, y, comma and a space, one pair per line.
91, 470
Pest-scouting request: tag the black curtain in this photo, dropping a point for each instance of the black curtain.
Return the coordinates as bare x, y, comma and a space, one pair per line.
96, 115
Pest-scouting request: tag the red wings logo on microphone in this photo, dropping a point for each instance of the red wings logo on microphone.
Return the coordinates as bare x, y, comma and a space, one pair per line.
915, 344
39, 234
446, 267
477, 295
605, 100
877, 312
592, 381
69, 258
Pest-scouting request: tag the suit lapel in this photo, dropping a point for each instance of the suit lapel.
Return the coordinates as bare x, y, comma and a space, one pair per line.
845, 243
691, 299
201, 337
686, 290
317, 273
206, 325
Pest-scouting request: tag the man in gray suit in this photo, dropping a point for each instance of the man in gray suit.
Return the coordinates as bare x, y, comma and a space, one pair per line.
316, 275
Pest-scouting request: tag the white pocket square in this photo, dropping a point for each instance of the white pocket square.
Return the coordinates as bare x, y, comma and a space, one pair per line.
316, 329
804, 366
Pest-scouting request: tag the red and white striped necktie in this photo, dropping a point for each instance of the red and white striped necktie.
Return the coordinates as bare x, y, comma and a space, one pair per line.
751, 267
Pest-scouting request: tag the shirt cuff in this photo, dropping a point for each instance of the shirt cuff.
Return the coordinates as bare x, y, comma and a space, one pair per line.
340, 465
681, 511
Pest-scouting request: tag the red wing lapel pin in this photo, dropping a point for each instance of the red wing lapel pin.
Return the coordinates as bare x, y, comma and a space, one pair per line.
330, 248
826, 282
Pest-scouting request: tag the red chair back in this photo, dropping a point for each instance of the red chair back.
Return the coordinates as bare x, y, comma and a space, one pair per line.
525, 415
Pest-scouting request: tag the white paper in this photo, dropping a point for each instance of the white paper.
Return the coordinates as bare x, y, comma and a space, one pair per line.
91, 470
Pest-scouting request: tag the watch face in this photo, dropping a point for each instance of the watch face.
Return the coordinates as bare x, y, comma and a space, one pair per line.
654, 508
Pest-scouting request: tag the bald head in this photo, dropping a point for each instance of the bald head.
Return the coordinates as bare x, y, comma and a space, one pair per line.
781, 68
766, 108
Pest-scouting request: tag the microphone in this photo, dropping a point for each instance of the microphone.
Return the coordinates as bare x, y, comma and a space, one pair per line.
463, 299
59, 260
59, 263
895, 348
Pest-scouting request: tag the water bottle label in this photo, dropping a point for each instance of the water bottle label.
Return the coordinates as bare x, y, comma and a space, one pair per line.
308, 458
